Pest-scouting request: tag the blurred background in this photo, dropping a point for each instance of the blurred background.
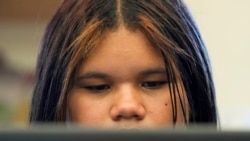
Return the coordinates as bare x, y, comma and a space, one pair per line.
22, 23
224, 25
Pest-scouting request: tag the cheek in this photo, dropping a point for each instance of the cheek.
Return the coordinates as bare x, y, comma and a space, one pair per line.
159, 108
83, 110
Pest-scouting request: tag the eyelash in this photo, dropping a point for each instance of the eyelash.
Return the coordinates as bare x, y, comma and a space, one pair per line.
148, 85
153, 84
98, 88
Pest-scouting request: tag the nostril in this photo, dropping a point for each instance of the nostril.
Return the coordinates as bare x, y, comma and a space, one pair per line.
138, 117
117, 118
131, 115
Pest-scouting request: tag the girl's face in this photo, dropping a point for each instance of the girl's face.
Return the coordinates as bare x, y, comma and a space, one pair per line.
123, 84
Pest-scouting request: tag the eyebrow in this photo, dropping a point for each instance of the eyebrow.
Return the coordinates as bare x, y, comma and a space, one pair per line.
100, 75
97, 75
152, 71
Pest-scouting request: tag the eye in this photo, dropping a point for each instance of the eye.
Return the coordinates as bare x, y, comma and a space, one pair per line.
98, 88
153, 84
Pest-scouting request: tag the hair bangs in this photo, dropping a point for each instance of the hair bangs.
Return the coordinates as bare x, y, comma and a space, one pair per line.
170, 51
78, 51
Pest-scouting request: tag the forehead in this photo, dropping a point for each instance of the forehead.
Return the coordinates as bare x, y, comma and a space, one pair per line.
124, 49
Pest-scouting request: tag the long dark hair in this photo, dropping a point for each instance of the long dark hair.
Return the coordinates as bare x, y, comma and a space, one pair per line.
79, 25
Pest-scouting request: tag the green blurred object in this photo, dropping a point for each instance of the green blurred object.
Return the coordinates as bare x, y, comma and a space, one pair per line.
5, 113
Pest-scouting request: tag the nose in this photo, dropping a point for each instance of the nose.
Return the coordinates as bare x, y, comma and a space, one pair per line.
128, 105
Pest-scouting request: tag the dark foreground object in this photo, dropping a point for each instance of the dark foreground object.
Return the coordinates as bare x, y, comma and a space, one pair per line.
48, 133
